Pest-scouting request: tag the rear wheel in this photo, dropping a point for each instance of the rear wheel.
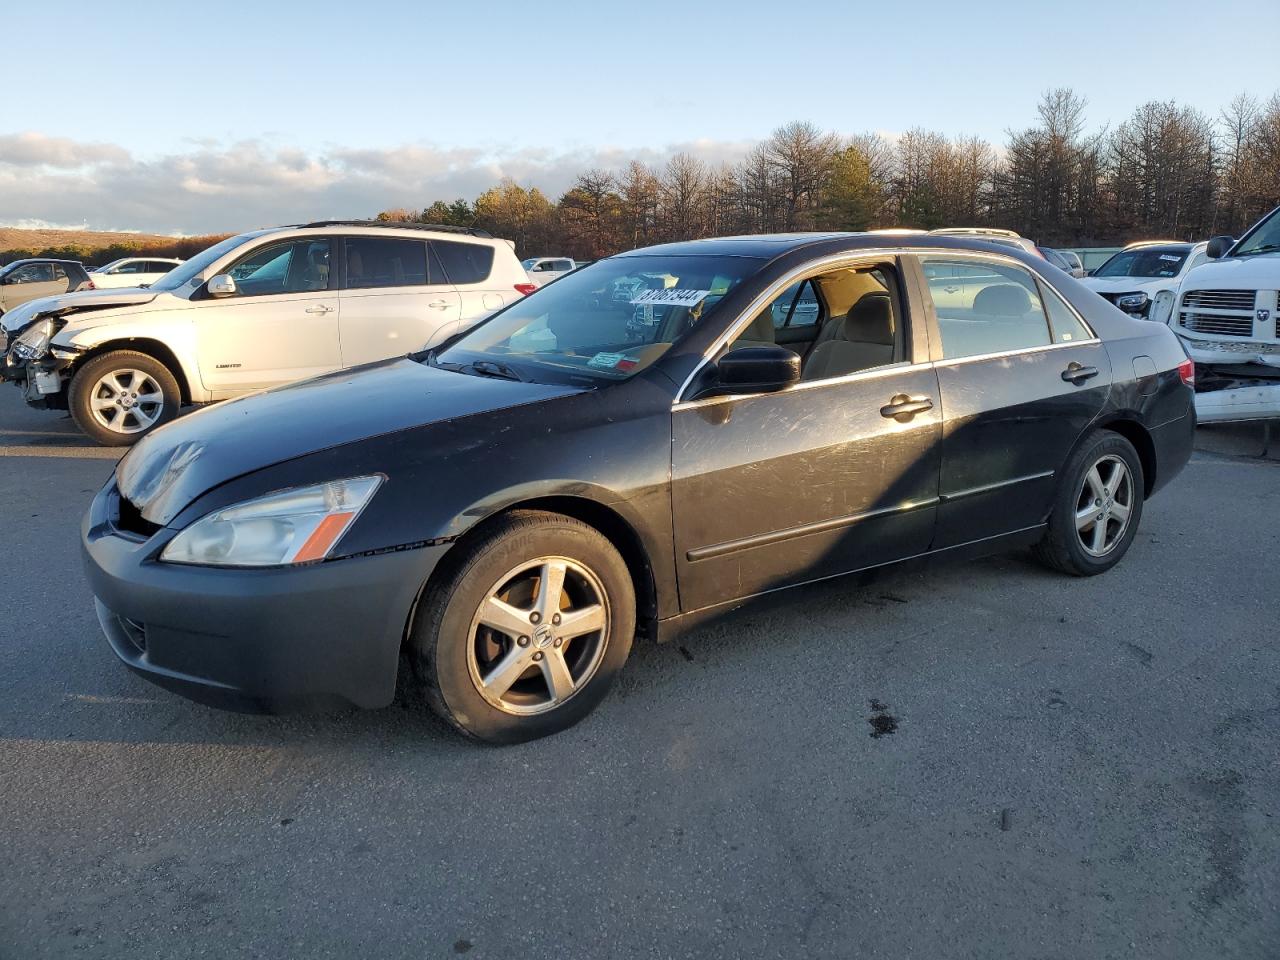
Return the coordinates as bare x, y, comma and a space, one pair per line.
1097, 507
525, 633
121, 396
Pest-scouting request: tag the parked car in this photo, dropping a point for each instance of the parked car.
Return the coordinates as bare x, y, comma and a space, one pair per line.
1006, 238
1074, 261
25, 280
542, 270
1059, 259
512, 510
254, 311
1141, 278
131, 272
1228, 319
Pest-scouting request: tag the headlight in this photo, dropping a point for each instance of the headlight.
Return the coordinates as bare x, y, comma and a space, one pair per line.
1161, 307
1132, 301
34, 342
292, 526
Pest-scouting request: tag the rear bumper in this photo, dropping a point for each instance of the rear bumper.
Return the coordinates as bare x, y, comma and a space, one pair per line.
1173, 442
267, 640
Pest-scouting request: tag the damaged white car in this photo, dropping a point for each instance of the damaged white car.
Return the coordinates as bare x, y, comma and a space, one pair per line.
1229, 322
254, 311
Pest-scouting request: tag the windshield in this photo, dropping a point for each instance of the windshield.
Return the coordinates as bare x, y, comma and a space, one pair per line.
602, 323
528, 264
1147, 262
184, 273
1265, 237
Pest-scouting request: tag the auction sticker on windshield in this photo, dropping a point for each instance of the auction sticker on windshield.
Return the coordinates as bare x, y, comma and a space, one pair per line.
676, 297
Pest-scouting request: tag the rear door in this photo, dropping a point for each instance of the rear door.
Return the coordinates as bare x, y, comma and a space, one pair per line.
281, 324
470, 268
1021, 378
395, 299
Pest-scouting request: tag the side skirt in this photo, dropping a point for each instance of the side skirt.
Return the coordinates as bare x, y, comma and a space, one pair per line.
672, 628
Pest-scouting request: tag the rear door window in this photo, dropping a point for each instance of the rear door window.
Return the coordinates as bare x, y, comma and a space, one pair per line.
379, 262
464, 262
1001, 309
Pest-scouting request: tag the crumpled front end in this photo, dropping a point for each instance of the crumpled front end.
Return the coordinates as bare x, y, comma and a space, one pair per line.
37, 366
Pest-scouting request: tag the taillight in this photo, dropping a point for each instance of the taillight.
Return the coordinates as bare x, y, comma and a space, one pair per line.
1187, 371
88, 285
524, 289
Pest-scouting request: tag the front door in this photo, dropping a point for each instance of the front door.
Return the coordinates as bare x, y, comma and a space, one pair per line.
822, 478
393, 301
1022, 378
280, 325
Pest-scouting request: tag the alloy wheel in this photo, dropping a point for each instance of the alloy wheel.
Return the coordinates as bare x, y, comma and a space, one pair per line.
126, 401
538, 636
1104, 506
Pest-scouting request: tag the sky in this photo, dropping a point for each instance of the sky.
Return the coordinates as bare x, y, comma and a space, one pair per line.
145, 116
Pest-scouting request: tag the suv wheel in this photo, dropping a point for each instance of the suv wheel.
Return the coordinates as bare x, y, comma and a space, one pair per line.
1097, 507
524, 636
121, 396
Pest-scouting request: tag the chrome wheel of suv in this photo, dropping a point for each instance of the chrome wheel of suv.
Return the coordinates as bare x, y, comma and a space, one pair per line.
1104, 506
539, 635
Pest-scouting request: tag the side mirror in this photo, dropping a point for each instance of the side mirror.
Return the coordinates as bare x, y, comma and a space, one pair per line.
763, 369
1218, 247
221, 286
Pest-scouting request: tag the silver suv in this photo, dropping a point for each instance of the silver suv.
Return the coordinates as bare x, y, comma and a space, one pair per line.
254, 311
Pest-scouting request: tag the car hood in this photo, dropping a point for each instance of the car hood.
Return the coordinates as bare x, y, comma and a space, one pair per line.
185, 459
1114, 285
22, 315
1241, 273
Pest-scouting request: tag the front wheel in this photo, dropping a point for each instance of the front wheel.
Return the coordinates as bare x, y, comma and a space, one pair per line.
120, 396
525, 633
1096, 509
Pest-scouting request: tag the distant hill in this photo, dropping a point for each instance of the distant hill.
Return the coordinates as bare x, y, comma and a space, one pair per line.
95, 247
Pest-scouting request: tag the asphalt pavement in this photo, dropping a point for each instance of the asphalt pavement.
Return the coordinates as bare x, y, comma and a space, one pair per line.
979, 760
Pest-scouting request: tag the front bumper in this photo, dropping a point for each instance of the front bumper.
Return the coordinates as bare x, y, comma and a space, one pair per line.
266, 640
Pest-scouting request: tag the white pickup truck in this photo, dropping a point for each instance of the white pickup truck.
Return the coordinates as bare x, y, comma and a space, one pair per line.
542, 270
1228, 319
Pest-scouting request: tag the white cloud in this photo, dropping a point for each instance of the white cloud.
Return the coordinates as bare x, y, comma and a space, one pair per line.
216, 187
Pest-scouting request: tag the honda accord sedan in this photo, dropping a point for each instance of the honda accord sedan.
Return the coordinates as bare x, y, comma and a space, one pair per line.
503, 516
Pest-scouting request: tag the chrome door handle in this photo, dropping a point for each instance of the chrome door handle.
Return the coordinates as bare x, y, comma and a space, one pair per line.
902, 407
320, 309
1078, 373
439, 304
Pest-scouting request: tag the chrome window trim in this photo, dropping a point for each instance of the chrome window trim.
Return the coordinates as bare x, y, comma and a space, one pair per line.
1016, 353
850, 258
872, 373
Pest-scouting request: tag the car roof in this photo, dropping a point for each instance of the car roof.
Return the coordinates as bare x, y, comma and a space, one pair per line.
771, 246
1154, 245
14, 263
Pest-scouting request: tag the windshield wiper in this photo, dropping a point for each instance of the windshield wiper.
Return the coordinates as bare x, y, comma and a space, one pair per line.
489, 368
1265, 248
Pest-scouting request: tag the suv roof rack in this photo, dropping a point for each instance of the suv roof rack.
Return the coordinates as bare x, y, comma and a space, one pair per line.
401, 225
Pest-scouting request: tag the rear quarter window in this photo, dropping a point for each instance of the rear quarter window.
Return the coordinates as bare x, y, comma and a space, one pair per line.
464, 262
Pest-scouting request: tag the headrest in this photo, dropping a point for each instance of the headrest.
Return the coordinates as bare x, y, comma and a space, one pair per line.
1002, 300
871, 320
761, 328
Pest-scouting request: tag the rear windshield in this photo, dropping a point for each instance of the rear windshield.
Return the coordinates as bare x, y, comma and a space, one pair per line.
1148, 262
602, 323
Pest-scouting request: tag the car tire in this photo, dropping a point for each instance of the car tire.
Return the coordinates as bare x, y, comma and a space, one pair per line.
104, 393
489, 661
1097, 507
